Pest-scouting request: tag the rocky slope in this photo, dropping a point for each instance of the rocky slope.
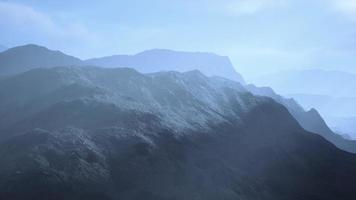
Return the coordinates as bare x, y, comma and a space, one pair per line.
92, 133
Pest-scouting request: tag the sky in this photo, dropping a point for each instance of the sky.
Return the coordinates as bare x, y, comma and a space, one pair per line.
260, 36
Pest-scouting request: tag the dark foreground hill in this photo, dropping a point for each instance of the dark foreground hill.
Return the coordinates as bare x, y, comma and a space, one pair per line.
93, 133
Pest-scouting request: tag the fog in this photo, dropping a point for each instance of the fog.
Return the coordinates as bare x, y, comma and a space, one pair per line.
179, 99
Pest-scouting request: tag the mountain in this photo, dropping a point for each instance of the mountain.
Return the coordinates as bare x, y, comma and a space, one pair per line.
327, 105
2, 48
95, 133
310, 120
338, 112
330, 92
23, 58
167, 60
345, 126
316, 82
154, 60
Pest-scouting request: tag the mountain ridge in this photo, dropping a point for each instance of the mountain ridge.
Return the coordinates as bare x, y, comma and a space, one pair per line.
23, 58
310, 120
318, 126
325, 82
105, 143
332, 94
155, 60
295, 109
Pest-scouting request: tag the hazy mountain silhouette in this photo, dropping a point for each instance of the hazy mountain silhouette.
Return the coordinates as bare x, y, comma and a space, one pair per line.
167, 60
344, 126
153, 60
316, 82
94, 133
327, 105
338, 112
330, 92
310, 120
23, 58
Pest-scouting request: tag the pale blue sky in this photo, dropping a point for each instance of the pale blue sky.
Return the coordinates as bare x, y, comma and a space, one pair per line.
260, 36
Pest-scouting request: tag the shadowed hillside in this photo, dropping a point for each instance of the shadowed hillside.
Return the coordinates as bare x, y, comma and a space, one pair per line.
93, 133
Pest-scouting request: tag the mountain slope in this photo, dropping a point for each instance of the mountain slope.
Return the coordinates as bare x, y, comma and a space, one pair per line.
338, 112
327, 105
93, 133
332, 93
167, 60
309, 120
23, 58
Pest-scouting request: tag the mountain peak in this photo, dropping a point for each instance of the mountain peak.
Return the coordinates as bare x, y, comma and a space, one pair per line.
195, 72
26, 57
30, 48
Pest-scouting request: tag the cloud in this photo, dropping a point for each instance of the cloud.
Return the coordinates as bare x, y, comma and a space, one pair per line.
250, 7
23, 23
347, 7
22, 16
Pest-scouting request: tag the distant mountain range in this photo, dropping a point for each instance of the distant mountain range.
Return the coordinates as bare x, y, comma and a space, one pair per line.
338, 105
328, 105
316, 82
310, 120
95, 133
167, 60
23, 58
346, 126
332, 93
